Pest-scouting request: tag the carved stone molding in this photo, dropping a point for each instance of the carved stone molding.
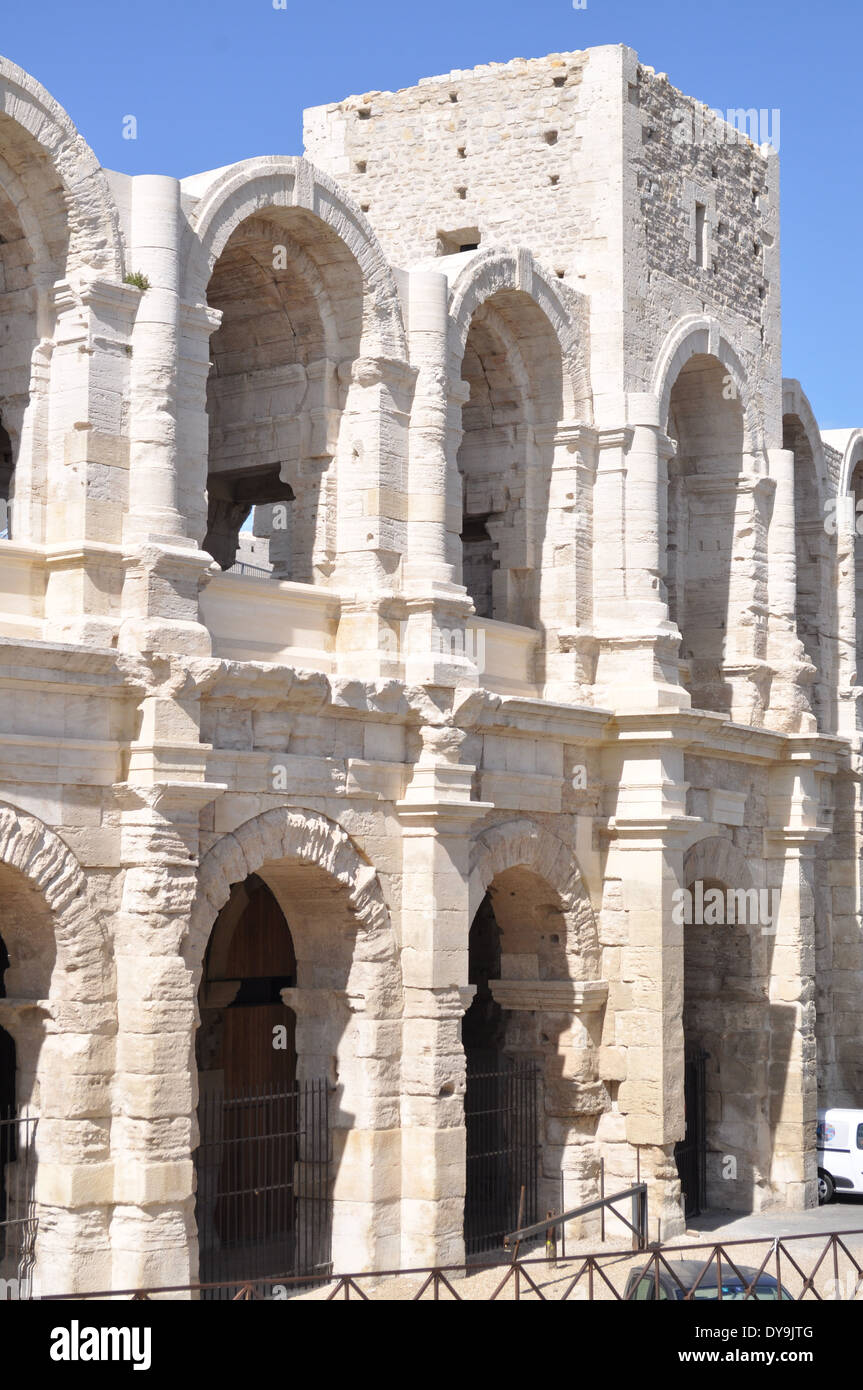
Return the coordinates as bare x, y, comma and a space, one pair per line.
550, 996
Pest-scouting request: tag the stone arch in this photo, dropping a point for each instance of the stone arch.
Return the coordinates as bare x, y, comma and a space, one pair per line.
37, 853
716, 519
525, 844
489, 272
715, 857
815, 550
851, 458
305, 837
517, 363
796, 402
702, 335
12, 185
58, 989
538, 1000
277, 181
95, 241
347, 981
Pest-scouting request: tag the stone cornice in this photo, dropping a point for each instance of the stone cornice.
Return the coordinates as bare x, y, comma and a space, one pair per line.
574, 436
122, 298
377, 371
169, 795
73, 554
442, 817
789, 836
667, 830
520, 714
35, 661
200, 317
550, 996
703, 731
618, 438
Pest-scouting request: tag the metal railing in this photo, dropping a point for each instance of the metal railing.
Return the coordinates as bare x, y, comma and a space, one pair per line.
18, 1222
257, 571
836, 1273
638, 1225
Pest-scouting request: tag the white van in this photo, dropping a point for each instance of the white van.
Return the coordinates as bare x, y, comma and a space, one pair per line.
840, 1152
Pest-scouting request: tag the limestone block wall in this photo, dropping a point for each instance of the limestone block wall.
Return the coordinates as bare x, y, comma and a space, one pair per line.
678, 155
500, 316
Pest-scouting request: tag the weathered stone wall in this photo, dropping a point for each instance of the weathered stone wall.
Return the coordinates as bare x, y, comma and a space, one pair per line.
378, 750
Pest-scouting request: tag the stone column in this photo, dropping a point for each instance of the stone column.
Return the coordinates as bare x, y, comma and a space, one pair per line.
437, 645
646, 518
197, 325
154, 1132
65, 1054
646, 842
566, 569
88, 461
437, 815
365, 1138
165, 568
434, 506
27, 416
791, 688
561, 1019
637, 645
846, 603
372, 509
790, 848
153, 482
744, 666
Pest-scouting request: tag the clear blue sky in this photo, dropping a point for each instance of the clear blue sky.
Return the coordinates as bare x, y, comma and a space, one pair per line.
213, 81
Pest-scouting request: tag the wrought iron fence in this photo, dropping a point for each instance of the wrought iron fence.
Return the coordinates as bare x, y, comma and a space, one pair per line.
502, 1166
830, 1273
263, 1192
18, 1222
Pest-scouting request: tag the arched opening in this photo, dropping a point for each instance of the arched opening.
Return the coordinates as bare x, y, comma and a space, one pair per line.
724, 1160
815, 597
708, 538
291, 298
512, 364
27, 955
16, 351
321, 980
531, 1038
250, 1109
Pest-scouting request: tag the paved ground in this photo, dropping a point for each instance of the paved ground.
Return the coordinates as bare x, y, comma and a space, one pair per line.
845, 1214
618, 1260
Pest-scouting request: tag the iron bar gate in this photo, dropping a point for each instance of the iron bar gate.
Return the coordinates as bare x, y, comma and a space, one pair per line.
502, 1125
263, 1195
18, 1223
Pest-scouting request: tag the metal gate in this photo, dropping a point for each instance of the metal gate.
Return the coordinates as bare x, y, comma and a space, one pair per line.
18, 1222
501, 1114
691, 1152
263, 1194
